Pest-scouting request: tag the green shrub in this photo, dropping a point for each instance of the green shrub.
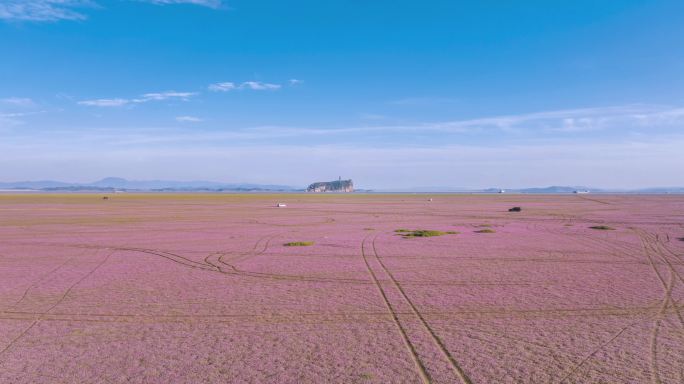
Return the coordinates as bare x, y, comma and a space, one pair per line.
424, 233
405, 233
299, 244
602, 227
485, 231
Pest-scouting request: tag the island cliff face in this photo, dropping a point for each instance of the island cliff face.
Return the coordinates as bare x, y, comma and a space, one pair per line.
332, 186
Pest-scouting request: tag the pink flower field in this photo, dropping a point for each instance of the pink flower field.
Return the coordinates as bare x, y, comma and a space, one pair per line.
171, 288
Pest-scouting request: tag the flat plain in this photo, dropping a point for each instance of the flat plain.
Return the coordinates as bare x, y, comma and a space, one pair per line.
161, 288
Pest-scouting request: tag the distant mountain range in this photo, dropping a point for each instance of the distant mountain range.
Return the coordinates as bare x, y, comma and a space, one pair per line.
566, 189
117, 183
555, 189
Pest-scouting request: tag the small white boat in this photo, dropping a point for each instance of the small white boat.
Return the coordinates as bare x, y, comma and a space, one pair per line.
281, 205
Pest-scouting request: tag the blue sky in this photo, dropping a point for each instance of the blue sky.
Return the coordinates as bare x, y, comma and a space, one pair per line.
394, 94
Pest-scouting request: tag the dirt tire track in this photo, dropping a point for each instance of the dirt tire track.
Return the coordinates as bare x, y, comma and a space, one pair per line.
59, 301
40, 279
274, 276
594, 200
460, 373
650, 241
648, 247
170, 256
253, 253
411, 348
595, 351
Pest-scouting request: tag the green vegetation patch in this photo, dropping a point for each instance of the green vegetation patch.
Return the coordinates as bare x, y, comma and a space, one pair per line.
602, 227
485, 231
406, 233
299, 244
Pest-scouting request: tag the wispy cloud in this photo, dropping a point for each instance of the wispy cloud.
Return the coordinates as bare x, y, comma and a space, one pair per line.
616, 119
15, 118
105, 102
222, 87
43, 10
165, 96
216, 4
9, 119
188, 119
574, 120
147, 97
294, 82
251, 85
55, 10
259, 86
23, 102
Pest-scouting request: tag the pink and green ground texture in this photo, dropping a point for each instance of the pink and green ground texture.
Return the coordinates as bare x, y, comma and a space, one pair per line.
201, 289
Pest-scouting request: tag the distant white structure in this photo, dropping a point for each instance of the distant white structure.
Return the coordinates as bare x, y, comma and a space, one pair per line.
581, 191
502, 191
281, 205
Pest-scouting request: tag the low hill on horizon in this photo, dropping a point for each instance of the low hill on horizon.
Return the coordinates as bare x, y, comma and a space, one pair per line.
118, 183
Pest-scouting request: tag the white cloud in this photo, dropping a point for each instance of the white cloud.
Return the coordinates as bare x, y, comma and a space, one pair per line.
188, 119
15, 118
157, 96
259, 86
222, 87
294, 82
571, 120
55, 10
252, 85
18, 101
42, 10
165, 96
205, 3
9, 119
105, 102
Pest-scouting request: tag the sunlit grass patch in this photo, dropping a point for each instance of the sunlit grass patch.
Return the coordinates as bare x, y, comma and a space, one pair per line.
402, 230
484, 225
299, 244
602, 227
485, 231
406, 233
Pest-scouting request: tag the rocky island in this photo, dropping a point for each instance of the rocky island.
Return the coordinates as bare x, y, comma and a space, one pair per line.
332, 186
